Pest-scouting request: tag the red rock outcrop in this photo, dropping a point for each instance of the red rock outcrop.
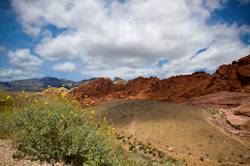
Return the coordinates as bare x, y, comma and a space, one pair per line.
234, 77
99, 87
239, 122
240, 116
222, 99
244, 108
140, 88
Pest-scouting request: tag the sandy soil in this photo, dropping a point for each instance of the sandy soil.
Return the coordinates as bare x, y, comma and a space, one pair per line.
6, 153
181, 131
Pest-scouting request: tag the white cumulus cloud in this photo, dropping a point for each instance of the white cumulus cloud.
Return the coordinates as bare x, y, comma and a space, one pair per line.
117, 39
24, 59
17, 74
23, 65
65, 67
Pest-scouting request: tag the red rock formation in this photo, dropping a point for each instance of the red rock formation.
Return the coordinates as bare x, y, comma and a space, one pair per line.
140, 88
234, 77
222, 99
239, 122
243, 109
181, 88
99, 87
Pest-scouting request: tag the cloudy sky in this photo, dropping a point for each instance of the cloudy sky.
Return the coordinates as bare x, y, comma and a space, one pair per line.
79, 39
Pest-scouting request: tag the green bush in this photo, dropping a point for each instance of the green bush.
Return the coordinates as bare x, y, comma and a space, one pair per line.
56, 132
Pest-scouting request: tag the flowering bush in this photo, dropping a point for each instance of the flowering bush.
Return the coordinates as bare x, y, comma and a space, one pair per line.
56, 132
62, 92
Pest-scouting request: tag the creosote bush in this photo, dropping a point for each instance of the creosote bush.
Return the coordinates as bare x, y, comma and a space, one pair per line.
56, 132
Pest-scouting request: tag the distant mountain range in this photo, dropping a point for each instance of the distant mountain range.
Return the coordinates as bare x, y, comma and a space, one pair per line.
38, 84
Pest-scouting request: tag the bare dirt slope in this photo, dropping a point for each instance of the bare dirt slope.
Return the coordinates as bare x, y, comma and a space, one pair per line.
180, 130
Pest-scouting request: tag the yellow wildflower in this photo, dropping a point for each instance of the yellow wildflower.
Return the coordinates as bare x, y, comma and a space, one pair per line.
8, 97
63, 94
93, 112
35, 101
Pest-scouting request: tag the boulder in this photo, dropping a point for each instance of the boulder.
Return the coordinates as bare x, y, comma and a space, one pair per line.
239, 122
243, 109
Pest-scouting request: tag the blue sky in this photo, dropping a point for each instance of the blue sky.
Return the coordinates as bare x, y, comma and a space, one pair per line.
122, 38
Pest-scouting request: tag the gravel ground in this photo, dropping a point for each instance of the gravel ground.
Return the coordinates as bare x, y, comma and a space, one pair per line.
6, 159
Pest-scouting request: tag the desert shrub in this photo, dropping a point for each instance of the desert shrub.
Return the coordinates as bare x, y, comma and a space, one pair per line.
55, 132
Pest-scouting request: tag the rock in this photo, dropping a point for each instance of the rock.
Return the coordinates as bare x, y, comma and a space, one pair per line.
243, 109
99, 87
239, 122
244, 74
170, 149
222, 99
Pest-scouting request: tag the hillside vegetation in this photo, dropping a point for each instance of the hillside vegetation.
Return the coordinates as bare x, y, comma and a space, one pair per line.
54, 129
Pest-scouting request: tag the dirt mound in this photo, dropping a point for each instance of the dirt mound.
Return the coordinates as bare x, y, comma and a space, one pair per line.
183, 132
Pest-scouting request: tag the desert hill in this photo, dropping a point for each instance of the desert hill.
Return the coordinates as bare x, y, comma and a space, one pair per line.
180, 131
